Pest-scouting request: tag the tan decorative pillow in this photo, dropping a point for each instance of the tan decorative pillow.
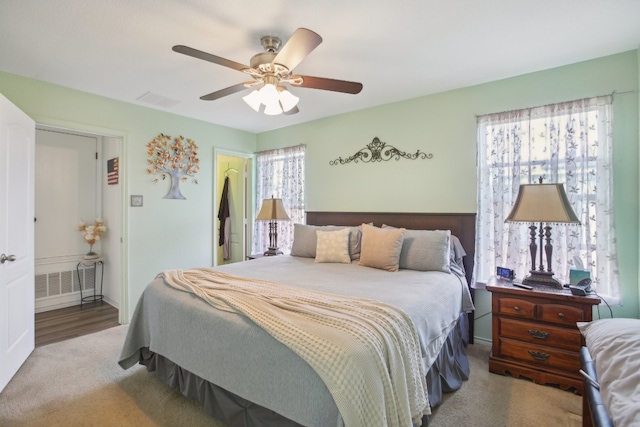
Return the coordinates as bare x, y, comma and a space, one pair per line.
305, 240
333, 246
381, 247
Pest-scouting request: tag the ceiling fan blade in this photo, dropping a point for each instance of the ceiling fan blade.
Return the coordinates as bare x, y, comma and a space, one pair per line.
329, 84
185, 50
301, 44
223, 92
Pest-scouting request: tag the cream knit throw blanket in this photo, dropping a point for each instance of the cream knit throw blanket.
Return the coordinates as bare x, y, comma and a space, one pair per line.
366, 352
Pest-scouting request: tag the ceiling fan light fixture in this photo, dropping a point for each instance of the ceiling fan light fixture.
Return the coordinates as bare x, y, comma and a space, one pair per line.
287, 99
273, 109
269, 94
253, 100
272, 67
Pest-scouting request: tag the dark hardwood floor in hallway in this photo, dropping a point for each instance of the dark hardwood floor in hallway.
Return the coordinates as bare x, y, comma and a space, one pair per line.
70, 322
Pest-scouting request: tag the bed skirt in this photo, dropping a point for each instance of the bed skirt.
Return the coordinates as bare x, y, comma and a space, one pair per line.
446, 375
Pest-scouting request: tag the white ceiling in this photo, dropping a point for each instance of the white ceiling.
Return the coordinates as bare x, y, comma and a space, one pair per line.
398, 49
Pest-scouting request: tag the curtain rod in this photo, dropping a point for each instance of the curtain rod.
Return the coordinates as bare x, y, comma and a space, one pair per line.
538, 106
281, 148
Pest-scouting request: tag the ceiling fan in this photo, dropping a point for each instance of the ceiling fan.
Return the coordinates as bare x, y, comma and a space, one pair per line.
273, 69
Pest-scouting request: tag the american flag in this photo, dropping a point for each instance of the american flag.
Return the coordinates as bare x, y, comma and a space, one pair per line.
112, 171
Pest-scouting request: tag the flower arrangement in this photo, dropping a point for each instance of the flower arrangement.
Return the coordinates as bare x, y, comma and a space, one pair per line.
92, 233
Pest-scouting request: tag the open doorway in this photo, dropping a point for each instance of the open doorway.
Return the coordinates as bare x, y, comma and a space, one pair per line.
78, 177
232, 236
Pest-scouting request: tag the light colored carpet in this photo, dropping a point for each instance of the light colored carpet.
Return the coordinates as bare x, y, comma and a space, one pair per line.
79, 383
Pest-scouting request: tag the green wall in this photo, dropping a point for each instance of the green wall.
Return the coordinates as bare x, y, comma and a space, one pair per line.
445, 124
163, 233
178, 234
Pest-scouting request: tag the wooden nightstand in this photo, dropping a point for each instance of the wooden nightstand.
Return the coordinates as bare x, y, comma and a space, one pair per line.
535, 334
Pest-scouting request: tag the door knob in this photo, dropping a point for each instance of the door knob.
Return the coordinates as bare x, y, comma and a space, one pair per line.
4, 258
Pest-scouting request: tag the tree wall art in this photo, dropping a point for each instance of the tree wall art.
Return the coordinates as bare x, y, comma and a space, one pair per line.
174, 158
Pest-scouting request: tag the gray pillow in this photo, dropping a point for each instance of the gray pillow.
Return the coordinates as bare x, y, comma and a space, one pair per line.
457, 253
305, 239
426, 250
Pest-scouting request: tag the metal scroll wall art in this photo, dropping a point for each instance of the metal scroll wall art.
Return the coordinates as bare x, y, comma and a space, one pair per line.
378, 151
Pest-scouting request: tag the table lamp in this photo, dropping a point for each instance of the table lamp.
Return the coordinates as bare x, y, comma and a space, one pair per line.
542, 203
272, 210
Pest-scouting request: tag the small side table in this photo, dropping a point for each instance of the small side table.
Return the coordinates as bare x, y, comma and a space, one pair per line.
256, 256
85, 263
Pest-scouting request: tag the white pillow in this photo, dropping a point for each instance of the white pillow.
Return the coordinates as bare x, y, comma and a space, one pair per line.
614, 345
333, 246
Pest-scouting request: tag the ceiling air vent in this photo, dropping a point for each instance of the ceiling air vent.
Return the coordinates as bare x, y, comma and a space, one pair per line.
157, 100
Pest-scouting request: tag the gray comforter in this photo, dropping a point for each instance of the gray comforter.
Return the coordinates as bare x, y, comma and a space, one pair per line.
229, 350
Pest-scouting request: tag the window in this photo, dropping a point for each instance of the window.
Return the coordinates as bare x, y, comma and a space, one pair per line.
569, 143
280, 174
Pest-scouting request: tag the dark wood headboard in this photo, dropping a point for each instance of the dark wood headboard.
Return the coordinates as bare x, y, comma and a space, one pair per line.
463, 225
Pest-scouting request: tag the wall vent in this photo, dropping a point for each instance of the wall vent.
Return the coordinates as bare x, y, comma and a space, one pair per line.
157, 100
63, 282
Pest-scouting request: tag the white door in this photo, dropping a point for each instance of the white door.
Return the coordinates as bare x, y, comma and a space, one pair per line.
17, 154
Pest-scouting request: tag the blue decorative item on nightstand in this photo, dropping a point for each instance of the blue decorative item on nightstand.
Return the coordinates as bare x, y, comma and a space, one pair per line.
576, 276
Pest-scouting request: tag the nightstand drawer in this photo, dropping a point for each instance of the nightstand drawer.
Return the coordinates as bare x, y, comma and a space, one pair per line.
540, 355
516, 307
560, 314
537, 333
534, 333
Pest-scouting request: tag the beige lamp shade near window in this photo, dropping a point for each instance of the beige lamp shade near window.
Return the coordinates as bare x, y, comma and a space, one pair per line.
542, 203
272, 209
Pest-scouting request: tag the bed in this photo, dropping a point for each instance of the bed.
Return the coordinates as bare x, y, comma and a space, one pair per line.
246, 377
611, 358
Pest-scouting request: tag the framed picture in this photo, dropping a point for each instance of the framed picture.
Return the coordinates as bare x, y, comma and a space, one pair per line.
112, 171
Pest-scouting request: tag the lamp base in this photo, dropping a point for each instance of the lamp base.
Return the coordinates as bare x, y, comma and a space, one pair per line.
542, 278
272, 252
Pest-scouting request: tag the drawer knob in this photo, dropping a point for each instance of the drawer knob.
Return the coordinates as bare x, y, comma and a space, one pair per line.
541, 335
516, 308
538, 355
561, 315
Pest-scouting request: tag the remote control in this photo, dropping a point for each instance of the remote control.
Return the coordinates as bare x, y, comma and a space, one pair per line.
523, 286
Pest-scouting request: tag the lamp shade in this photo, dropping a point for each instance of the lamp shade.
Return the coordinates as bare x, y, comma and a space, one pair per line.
542, 203
254, 100
273, 109
276, 99
272, 209
287, 99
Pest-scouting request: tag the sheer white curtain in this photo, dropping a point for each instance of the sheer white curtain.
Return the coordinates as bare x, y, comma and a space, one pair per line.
569, 143
279, 174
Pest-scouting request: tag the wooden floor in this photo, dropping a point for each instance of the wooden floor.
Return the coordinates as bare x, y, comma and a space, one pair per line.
62, 324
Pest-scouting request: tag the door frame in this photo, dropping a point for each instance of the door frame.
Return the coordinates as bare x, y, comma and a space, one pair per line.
216, 197
123, 310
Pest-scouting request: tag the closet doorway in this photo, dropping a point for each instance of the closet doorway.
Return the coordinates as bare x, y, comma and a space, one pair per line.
234, 244
71, 185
